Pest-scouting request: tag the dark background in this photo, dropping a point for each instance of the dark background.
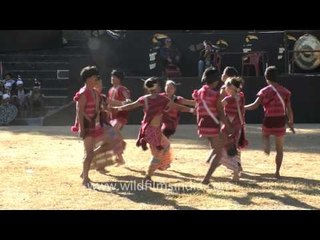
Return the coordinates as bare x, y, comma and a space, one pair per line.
12, 40
131, 54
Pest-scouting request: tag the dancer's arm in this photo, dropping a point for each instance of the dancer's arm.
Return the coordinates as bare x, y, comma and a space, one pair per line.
254, 105
81, 114
180, 107
222, 115
187, 102
128, 107
290, 116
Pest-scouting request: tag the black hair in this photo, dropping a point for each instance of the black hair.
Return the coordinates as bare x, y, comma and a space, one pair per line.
172, 82
210, 75
235, 81
231, 71
150, 82
88, 71
36, 83
271, 74
8, 74
119, 74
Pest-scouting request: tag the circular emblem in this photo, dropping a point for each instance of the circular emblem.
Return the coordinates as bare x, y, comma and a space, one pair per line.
8, 113
307, 60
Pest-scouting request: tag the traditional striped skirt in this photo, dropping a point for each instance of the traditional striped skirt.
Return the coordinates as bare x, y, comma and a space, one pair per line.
121, 121
107, 148
160, 148
207, 127
231, 162
274, 126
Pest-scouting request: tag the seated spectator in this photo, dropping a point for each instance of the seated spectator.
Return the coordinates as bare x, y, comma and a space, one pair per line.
2, 82
21, 98
36, 98
169, 54
5, 99
8, 88
1, 96
9, 79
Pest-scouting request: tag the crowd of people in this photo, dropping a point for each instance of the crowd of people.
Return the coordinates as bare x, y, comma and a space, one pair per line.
169, 57
219, 106
15, 100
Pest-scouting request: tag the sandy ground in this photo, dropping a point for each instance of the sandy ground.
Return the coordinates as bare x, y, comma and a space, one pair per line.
40, 168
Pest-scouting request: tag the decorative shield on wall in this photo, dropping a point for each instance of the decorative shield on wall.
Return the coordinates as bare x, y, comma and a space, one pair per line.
8, 113
306, 54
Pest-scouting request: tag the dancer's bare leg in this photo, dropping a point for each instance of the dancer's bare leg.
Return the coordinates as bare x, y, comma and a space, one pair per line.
120, 160
266, 144
217, 143
88, 146
279, 155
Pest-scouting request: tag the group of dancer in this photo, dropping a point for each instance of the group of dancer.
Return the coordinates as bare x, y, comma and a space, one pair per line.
219, 106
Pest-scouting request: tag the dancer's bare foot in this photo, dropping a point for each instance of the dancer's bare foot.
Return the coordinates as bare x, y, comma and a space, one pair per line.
101, 170
119, 163
240, 168
147, 181
277, 175
86, 182
236, 177
205, 181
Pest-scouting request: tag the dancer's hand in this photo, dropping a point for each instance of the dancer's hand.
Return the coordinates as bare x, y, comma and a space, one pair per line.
82, 133
291, 126
230, 129
115, 109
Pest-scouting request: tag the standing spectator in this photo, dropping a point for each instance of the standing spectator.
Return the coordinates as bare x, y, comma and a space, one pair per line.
206, 57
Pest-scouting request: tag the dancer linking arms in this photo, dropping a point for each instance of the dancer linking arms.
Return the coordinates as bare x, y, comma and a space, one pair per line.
171, 118
210, 115
150, 132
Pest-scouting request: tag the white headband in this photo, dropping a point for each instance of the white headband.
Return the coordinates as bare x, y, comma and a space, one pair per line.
19, 82
5, 96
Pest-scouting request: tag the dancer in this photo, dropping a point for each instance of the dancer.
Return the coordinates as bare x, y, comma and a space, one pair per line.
150, 132
209, 117
119, 95
171, 117
276, 103
87, 118
233, 105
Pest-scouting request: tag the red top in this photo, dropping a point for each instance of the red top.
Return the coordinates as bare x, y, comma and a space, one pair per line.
153, 107
270, 101
231, 109
208, 95
120, 93
90, 108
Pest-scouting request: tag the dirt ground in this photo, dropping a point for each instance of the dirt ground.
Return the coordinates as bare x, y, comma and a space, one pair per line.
40, 168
